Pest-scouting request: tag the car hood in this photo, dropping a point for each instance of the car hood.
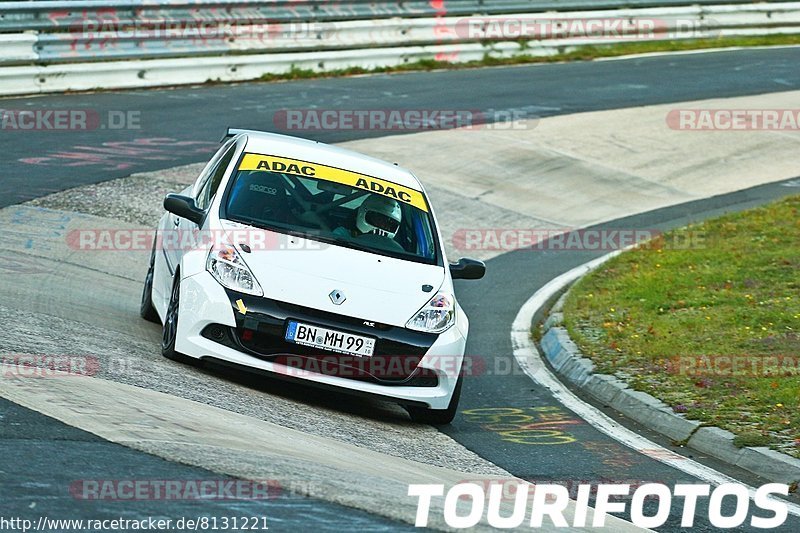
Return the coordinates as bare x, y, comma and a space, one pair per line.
305, 272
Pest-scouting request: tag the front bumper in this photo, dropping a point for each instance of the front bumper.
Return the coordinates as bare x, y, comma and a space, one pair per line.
407, 367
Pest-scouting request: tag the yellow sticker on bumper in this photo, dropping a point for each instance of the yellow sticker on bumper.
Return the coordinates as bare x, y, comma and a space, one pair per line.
295, 167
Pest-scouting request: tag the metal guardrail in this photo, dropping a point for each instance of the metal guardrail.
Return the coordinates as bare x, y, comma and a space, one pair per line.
60, 15
158, 42
82, 31
127, 43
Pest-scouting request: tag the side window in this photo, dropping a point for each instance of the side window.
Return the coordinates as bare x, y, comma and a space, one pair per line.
209, 188
202, 179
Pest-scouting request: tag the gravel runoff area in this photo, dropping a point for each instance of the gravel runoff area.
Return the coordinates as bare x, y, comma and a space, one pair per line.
55, 314
136, 199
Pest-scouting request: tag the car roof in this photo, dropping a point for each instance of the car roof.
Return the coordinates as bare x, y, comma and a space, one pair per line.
316, 152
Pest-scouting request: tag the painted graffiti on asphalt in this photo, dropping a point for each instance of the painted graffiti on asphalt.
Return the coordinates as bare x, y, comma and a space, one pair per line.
533, 425
123, 155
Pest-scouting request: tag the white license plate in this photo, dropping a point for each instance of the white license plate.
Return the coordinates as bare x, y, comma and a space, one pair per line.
329, 339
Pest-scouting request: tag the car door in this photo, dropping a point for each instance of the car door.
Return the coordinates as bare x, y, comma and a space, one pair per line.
171, 228
203, 193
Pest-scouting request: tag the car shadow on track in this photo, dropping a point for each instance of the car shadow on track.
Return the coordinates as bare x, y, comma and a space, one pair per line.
363, 407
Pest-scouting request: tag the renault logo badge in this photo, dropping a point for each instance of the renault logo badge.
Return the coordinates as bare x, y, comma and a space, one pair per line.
337, 297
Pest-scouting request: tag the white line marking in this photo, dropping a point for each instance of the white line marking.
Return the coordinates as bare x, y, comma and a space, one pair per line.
694, 52
530, 360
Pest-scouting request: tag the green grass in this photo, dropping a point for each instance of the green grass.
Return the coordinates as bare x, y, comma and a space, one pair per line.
583, 53
657, 317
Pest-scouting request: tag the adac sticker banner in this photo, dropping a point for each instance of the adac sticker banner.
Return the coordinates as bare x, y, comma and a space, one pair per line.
296, 167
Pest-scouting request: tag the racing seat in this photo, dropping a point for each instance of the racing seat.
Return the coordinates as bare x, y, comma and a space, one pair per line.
261, 196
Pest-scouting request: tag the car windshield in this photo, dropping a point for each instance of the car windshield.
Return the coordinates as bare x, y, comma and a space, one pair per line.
332, 205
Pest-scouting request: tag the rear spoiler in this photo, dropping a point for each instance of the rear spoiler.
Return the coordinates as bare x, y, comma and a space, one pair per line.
232, 132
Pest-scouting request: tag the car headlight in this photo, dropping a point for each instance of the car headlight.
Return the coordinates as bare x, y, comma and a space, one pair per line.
230, 270
437, 315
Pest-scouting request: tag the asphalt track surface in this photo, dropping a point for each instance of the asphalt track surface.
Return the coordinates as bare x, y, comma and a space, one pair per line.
43, 457
177, 126
59, 160
578, 453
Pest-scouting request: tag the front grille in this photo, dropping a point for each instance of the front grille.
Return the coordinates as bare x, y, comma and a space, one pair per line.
260, 333
383, 369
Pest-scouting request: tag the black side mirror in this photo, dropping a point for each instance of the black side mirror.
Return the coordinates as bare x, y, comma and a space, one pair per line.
467, 269
184, 207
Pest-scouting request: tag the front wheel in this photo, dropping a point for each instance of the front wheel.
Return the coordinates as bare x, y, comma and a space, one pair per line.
170, 331
437, 417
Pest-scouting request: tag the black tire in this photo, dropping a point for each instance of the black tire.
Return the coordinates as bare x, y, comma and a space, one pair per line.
437, 417
170, 327
146, 309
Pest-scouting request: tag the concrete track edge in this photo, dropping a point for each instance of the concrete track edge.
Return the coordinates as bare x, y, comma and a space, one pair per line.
228, 443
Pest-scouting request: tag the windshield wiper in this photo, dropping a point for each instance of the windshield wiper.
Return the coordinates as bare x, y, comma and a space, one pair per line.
255, 223
330, 239
349, 243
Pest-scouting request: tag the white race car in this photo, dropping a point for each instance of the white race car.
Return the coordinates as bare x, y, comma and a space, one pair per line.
312, 263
